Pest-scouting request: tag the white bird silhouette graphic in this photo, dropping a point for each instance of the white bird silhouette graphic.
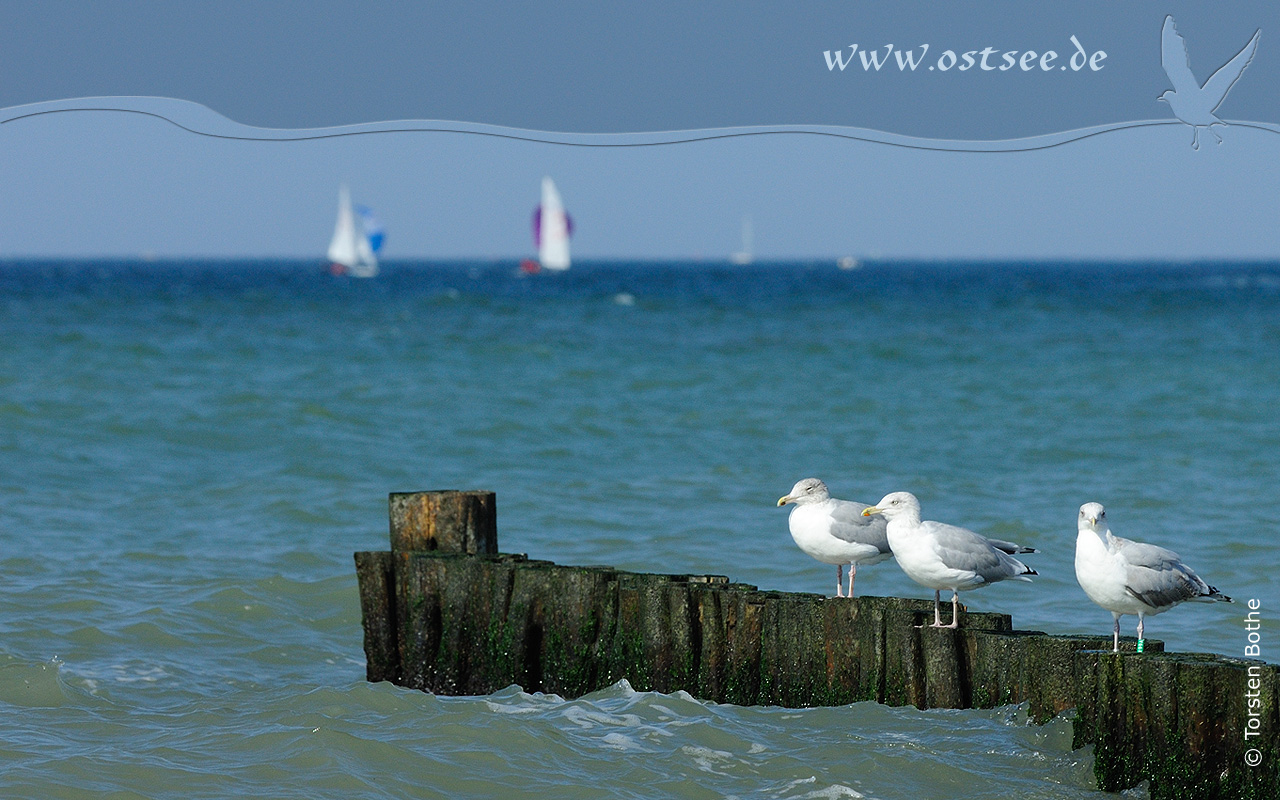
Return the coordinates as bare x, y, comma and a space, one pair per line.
1192, 103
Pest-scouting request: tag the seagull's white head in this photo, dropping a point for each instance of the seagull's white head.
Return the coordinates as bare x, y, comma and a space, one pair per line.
894, 505
809, 490
1093, 517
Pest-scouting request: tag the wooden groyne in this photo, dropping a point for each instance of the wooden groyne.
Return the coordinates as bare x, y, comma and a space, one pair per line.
444, 612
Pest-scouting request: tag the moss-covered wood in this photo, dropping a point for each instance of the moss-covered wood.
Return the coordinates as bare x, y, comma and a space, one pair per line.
454, 623
377, 613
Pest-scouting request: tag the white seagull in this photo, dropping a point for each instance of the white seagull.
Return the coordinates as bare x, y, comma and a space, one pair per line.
834, 531
1192, 103
1127, 577
941, 556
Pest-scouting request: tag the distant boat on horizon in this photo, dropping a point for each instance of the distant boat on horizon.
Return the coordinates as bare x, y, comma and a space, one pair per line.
552, 228
353, 249
744, 256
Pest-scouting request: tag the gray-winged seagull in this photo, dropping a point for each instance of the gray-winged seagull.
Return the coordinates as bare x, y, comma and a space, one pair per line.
941, 556
1127, 577
834, 531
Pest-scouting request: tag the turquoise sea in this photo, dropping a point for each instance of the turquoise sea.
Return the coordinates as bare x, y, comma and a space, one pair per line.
190, 453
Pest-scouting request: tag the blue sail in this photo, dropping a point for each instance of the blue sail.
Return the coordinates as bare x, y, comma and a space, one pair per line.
373, 230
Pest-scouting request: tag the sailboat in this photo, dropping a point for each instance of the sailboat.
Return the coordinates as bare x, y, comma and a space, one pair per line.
744, 256
552, 228
351, 251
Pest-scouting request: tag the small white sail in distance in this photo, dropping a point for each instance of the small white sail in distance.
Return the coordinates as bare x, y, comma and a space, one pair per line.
551, 229
744, 256
349, 250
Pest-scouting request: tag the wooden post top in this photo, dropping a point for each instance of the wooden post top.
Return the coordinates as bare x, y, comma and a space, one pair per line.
446, 520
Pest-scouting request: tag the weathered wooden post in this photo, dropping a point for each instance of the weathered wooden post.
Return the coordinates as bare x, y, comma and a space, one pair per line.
441, 521
375, 572
449, 521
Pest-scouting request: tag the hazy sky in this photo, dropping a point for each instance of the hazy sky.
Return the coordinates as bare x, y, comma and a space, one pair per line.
124, 184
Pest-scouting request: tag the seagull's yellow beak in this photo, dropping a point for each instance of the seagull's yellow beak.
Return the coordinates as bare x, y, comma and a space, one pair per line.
1092, 520
786, 498
869, 510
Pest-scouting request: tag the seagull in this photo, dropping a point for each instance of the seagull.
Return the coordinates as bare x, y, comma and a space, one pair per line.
941, 556
1192, 103
1127, 577
834, 531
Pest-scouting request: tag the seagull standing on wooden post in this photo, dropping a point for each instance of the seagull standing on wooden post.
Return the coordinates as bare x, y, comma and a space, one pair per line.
1127, 577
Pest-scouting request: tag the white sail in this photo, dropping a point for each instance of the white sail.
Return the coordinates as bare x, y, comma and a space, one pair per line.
744, 256
553, 229
349, 249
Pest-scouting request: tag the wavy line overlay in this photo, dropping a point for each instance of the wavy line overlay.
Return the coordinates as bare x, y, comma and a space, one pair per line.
203, 121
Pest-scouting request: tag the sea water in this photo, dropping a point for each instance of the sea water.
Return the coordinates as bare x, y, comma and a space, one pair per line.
190, 453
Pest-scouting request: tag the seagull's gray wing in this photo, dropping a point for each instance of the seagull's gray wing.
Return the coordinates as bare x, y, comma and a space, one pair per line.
1157, 576
850, 511
961, 548
1173, 55
1139, 554
849, 525
1220, 82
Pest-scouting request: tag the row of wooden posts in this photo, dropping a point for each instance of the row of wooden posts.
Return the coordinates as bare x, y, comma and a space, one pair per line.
445, 612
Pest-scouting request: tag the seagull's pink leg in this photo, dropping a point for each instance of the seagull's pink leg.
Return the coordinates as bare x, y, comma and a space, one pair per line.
955, 610
852, 569
839, 580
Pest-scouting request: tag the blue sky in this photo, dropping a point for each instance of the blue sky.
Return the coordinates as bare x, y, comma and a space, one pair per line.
118, 184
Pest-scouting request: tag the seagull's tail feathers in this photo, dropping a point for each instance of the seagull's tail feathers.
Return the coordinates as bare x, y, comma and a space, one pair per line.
1023, 575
